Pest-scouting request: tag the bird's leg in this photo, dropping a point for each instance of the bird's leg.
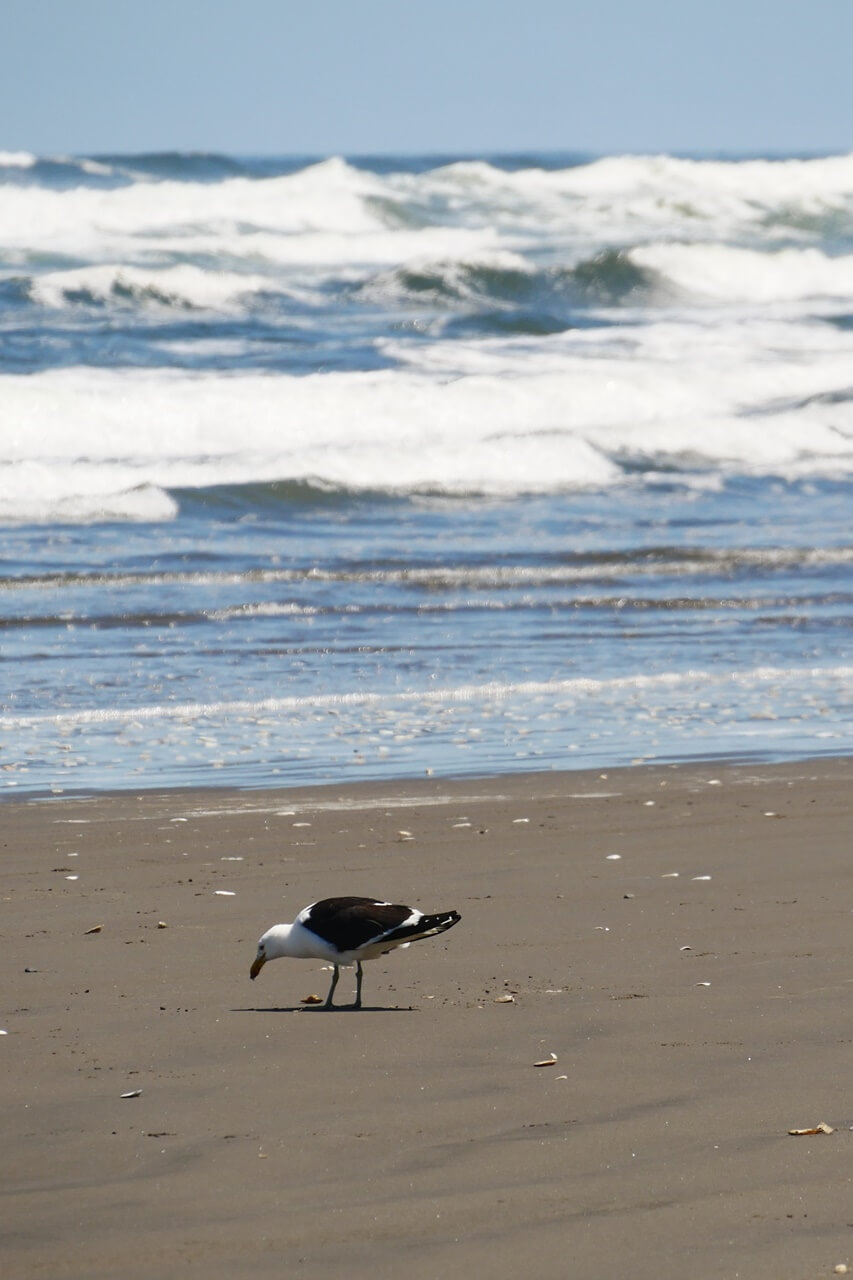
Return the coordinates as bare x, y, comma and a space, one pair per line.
359, 973
328, 1004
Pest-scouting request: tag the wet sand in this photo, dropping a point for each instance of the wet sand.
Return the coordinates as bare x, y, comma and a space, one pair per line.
694, 1017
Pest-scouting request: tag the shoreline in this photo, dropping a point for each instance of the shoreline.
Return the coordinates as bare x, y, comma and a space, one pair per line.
678, 935
744, 761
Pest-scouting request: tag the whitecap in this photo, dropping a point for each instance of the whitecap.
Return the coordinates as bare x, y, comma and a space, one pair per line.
17, 160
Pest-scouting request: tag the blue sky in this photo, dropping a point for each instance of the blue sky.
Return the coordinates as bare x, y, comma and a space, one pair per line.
459, 76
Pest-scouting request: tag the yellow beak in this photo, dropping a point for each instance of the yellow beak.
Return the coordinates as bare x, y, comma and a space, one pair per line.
257, 964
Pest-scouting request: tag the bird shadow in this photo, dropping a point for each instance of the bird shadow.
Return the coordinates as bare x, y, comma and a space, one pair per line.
319, 1008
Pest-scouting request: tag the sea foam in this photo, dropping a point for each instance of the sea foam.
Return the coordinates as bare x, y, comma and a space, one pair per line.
507, 423
17, 160
333, 207
727, 273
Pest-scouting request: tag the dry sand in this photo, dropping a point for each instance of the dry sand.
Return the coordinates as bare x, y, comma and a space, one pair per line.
417, 1138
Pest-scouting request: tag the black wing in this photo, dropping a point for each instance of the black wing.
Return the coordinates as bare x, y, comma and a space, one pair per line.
350, 923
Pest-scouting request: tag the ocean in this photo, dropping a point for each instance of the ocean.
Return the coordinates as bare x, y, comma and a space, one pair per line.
315, 470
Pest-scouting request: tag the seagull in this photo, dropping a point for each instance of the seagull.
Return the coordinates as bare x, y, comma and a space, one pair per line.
347, 931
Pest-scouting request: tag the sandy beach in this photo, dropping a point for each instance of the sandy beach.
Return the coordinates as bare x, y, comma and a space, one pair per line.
675, 940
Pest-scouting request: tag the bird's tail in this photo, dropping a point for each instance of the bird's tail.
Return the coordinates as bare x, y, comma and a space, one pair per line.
426, 927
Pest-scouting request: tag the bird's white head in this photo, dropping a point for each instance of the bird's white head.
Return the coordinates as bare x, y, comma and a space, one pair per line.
270, 945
